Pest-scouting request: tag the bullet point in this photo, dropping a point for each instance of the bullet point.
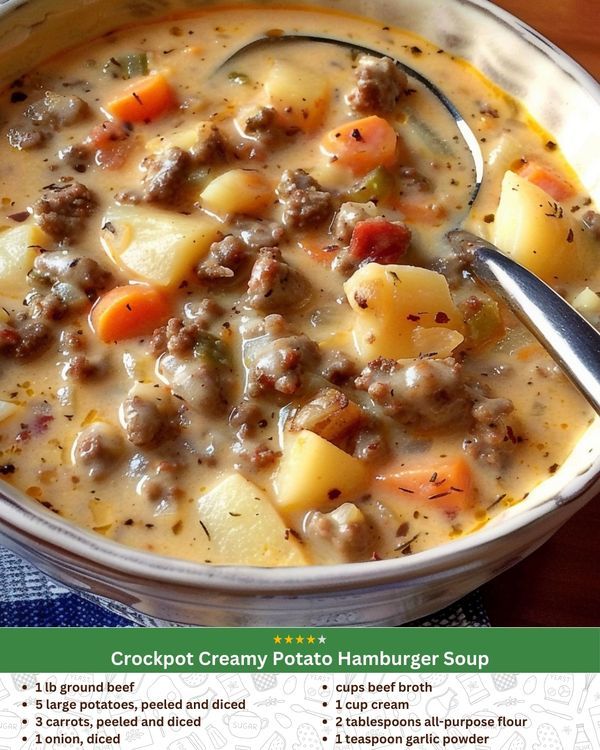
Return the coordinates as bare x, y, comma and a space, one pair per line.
324, 705
23, 687
323, 687
324, 721
24, 739
324, 739
24, 721
24, 705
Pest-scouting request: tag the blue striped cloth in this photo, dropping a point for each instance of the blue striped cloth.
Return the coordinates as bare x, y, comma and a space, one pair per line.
30, 599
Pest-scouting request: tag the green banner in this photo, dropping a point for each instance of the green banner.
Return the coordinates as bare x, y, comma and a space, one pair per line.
300, 650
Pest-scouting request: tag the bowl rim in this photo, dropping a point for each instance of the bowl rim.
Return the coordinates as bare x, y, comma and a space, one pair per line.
95, 554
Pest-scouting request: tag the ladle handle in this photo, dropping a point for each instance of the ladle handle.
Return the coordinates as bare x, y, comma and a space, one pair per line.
569, 338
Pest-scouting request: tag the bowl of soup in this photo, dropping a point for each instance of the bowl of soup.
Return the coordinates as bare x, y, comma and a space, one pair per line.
245, 378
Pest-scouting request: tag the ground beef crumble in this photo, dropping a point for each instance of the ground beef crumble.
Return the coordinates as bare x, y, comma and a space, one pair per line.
62, 208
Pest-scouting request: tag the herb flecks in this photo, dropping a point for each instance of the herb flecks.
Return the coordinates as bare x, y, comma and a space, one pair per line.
556, 211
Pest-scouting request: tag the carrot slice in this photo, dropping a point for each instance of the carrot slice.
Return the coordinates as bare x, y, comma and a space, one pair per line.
446, 484
127, 312
144, 100
362, 144
544, 177
528, 352
319, 253
421, 211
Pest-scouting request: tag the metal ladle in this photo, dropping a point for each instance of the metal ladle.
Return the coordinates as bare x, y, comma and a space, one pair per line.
463, 128
567, 336
571, 341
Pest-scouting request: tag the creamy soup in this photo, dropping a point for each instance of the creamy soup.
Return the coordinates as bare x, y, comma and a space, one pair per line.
232, 328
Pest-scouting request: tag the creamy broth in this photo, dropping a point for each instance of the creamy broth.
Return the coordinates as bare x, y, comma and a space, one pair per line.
331, 385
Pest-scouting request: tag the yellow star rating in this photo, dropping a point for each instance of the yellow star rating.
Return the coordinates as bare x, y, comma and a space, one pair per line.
309, 639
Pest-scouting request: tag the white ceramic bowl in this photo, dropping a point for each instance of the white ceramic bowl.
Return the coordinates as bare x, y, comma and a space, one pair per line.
157, 590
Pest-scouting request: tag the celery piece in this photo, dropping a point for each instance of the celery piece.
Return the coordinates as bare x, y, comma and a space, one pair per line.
134, 65
374, 186
128, 66
485, 324
240, 78
210, 350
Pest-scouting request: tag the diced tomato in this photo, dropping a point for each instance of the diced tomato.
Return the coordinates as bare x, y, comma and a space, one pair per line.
379, 240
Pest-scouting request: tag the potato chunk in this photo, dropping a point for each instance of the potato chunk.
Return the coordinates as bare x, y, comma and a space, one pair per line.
160, 247
102, 514
536, 231
183, 139
587, 302
244, 528
393, 305
300, 96
314, 472
18, 249
238, 191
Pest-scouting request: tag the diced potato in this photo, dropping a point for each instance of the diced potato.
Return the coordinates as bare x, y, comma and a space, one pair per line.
393, 303
139, 366
329, 414
587, 302
239, 191
103, 514
537, 232
8, 410
438, 342
244, 528
313, 472
18, 249
183, 139
156, 246
334, 340
331, 175
300, 96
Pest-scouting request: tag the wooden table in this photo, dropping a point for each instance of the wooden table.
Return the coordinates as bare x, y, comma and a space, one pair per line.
560, 583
